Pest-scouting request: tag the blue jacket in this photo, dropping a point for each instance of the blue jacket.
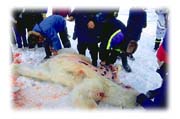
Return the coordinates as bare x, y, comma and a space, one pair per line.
136, 22
49, 28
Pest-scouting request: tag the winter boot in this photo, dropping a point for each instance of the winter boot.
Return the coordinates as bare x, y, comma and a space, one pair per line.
40, 45
157, 42
47, 50
127, 67
131, 57
125, 63
94, 63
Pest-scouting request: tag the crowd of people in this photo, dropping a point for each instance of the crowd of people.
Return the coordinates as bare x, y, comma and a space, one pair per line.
99, 31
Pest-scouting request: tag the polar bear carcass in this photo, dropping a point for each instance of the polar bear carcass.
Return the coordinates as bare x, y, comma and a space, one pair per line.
76, 72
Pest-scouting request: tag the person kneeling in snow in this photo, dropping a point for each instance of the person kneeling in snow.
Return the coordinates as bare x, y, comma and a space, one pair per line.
46, 32
113, 44
159, 95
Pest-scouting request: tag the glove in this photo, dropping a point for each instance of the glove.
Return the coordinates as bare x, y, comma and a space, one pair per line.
140, 98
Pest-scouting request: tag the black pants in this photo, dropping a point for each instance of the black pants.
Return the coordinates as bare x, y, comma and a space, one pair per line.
93, 48
64, 38
110, 56
47, 44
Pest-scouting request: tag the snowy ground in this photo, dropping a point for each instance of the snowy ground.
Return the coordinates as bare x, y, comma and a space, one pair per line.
48, 95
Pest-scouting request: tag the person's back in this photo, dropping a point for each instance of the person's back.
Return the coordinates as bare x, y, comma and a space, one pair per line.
49, 29
53, 22
111, 27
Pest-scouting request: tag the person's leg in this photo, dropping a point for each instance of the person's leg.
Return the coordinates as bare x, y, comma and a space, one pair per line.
93, 48
47, 49
64, 38
81, 47
23, 35
131, 48
103, 53
18, 38
112, 58
157, 42
125, 62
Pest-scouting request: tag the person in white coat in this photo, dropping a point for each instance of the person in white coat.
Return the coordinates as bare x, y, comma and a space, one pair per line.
161, 26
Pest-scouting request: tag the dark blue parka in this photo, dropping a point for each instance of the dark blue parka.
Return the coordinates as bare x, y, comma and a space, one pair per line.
82, 17
136, 22
49, 28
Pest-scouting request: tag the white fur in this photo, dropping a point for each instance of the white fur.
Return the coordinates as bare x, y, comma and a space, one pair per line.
85, 83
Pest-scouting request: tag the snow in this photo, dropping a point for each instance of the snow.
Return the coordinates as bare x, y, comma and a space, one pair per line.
142, 78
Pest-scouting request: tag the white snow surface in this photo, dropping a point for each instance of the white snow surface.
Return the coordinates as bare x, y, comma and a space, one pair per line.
142, 78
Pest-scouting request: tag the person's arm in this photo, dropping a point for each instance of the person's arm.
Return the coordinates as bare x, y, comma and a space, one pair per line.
145, 19
56, 43
53, 37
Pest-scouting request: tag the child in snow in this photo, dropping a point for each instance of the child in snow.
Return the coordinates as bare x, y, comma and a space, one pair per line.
161, 26
113, 44
159, 95
85, 25
47, 31
136, 22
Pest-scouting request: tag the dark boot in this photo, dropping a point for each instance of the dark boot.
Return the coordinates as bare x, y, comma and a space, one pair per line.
47, 50
94, 63
127, 67
93, 48
131, 57
156, 45
40, 45
64, 38
125, 63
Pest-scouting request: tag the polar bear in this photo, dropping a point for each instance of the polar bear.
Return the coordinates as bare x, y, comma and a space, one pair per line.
88, 87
